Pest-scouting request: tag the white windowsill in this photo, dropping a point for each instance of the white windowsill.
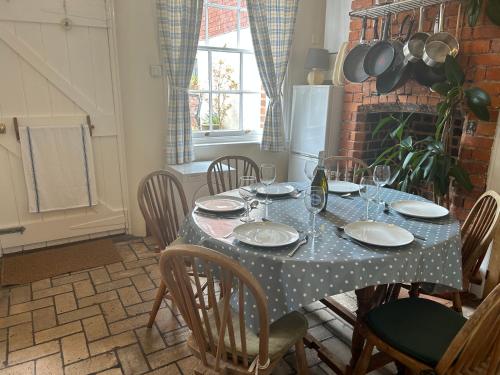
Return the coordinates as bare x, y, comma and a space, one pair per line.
226, 140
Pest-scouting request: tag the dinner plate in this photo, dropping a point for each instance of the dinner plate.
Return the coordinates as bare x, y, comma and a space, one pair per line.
378, 234
275, 189
342, 187
220, 203
266, 234
425, 210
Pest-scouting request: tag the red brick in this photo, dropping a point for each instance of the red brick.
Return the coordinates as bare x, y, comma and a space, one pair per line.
490, 59
482, 155
486, 129
476, 46
486, 32
493, 73
479, 142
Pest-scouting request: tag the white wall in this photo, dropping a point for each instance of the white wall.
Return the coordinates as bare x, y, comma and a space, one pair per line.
143, 97
336, 23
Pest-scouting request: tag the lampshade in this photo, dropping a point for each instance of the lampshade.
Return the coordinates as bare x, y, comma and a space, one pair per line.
318, 58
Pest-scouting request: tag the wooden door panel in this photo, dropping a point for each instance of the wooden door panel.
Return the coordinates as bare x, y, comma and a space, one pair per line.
50, 75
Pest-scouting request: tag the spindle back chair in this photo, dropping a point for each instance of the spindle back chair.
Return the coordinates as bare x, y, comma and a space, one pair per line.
346, 168
475, 349
163, 204
224, 173
219, 336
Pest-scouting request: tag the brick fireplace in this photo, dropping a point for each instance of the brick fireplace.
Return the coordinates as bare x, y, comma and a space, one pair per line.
473, 139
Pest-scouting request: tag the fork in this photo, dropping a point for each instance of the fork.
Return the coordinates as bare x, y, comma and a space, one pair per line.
302, 242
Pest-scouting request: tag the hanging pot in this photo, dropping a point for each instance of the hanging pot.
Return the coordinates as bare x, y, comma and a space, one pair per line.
414, 47
353, 63
441, 44
381, 54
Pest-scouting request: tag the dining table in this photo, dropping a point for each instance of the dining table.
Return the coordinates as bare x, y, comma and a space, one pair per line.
333, 263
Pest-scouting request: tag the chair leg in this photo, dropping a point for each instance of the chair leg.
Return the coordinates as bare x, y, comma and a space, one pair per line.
300, 356
159, 297
457, 302
364, 359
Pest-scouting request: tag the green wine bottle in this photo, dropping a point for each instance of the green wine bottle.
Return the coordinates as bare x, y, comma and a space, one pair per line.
319, 179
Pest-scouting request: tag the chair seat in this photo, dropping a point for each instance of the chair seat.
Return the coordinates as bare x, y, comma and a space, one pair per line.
283, 334
418, 327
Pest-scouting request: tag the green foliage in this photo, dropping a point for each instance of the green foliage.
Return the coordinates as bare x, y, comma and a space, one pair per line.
417, 162
472, 10
493, 11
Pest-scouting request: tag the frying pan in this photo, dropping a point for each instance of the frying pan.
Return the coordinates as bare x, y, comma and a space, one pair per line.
381, 54
441, 44
353, 63
414, 47
400, 70
427, 75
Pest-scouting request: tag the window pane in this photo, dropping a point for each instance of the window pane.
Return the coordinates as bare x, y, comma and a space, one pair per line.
251, 77
225, 111
225, 71
203, 29
245, 33
198, 105
199, 79
254, 111
222, 27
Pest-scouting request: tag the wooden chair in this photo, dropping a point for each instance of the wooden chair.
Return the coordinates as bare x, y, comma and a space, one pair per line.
429, 338
224, 173
219, 336
477, 233
347, 168
163, 205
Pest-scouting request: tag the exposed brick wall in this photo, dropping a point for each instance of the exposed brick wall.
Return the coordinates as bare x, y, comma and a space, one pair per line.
479, 56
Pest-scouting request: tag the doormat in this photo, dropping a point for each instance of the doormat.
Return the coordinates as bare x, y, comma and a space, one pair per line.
41, 264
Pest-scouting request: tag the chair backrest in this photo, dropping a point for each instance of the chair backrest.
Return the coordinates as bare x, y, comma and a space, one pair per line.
476, 347
477, 233
224, 173
208, 311
347, 168
163, 205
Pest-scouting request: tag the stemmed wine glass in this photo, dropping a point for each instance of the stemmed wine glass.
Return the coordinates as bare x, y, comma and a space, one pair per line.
314, 200
367, 191
381, 176
310, 168
247, 192
267, 177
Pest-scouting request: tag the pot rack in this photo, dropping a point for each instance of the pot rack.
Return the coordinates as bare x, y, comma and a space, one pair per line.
394, 8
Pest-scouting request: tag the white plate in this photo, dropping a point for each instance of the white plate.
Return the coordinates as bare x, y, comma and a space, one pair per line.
220, 203
276, 189
342, 187
378, 234
425, 210
266, 234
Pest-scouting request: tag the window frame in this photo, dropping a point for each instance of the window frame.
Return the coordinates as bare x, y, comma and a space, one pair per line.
225, 136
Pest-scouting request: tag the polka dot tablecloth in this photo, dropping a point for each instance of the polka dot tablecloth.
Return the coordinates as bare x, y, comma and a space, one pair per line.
330, 265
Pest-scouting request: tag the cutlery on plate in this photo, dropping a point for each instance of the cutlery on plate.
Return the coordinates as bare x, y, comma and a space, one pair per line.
301, 242
215, 216
340, 234
346, 196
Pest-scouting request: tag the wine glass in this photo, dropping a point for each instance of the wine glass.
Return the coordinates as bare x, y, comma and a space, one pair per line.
381, 176
314, 200
247, 191
367, 191
310, 168
267, 177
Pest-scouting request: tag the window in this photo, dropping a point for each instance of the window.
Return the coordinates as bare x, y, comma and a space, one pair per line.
226, 95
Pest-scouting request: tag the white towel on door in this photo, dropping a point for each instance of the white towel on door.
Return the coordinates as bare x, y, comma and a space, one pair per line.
58, 167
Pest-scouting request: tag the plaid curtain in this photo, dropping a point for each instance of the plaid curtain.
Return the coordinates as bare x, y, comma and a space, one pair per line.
179, 29
272, 23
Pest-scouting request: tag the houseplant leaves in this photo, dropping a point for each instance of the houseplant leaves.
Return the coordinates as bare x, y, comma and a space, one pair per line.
478, 101
493, 11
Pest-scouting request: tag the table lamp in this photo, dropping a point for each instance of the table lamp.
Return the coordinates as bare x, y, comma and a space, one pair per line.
318, 61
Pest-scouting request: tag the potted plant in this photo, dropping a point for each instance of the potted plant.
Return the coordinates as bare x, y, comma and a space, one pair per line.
428, 161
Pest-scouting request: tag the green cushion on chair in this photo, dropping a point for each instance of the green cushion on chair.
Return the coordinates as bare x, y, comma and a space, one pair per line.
418, 327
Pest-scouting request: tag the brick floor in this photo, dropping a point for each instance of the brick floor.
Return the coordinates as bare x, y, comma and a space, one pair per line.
94, 322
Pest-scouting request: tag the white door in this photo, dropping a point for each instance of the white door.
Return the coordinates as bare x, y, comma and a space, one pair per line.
50, 74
